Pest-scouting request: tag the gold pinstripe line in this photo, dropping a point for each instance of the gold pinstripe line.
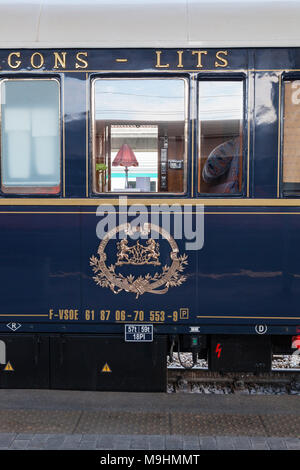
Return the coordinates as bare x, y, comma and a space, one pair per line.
178, 70
132, 321
201, 71
248, 318
23, 315
152, 212
222, 202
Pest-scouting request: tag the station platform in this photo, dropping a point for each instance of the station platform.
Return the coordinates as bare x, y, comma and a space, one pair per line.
56, 420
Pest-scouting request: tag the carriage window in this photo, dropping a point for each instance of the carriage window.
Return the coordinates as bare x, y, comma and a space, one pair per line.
139, 134
30, 136
291, 138
221, 123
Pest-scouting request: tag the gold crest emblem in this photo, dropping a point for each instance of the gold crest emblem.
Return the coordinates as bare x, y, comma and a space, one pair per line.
139, 254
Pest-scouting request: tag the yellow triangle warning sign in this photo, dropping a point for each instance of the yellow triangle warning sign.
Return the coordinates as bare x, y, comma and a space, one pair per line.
106, 368
9, 367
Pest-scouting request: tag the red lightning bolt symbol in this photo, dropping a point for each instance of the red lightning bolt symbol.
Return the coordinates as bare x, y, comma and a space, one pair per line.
218, 349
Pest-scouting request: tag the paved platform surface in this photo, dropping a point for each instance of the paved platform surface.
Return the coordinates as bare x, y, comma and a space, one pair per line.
51, 419
27, 441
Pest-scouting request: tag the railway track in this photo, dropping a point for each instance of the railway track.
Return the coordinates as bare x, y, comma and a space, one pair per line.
204, 381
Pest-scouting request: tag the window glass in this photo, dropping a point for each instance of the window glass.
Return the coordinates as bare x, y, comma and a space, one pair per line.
139, 135
30, 136
291, 138
221, 123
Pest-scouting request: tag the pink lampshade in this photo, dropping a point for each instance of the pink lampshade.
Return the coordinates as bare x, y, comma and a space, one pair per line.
125, 157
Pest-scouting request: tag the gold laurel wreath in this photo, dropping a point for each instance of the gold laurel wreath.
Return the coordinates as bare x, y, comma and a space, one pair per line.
159, 283
141, 284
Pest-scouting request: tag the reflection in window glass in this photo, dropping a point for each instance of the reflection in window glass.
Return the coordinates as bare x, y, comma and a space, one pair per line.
221, 122
139, 135
30, 140
291, 138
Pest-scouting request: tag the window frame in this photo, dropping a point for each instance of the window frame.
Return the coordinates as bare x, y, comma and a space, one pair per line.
187, 125
281, 192
224, 77
33, 191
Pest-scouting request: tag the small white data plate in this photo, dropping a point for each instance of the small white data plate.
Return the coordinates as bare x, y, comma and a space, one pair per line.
139, 333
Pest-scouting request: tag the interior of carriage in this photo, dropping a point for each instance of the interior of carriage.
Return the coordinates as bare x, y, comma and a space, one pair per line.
150, 154
213, 135
140, 129
140, 136
157, 163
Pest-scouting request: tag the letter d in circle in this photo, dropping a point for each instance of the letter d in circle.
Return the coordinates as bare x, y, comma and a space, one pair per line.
261, 329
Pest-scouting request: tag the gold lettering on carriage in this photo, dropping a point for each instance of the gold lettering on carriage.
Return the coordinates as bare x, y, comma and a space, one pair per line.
37, 60
63, 60
139, 254
201, 56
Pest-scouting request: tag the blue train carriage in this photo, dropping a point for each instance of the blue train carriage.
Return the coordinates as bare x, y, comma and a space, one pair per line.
150, 183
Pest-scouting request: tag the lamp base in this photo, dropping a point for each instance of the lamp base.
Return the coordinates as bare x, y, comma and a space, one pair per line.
126, 177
